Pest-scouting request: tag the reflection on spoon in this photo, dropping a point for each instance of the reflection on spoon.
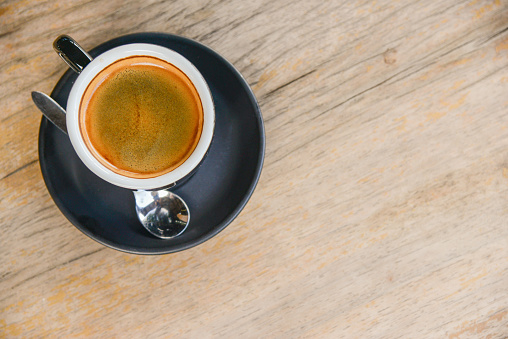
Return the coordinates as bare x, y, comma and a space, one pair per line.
162, 213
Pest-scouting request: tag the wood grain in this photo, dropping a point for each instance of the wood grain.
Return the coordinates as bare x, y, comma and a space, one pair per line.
382, 208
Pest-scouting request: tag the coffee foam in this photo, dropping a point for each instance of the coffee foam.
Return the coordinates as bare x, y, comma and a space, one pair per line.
141, 117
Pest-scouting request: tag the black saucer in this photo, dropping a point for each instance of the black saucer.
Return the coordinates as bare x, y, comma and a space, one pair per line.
215, 194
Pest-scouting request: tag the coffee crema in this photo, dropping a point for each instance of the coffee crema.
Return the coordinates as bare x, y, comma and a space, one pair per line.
141, 117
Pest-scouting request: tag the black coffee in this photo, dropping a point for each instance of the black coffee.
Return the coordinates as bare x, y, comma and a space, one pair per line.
141, 117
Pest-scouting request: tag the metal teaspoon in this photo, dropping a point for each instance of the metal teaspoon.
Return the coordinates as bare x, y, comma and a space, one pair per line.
163, 213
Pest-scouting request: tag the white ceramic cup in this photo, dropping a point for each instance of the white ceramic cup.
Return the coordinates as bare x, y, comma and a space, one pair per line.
107, 58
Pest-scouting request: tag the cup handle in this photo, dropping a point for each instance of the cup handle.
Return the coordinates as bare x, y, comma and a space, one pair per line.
72, 53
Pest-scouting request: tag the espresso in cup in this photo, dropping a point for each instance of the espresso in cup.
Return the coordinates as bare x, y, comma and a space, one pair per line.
141, 117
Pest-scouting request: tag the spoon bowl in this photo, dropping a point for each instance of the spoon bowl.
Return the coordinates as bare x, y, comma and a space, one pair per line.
163, 213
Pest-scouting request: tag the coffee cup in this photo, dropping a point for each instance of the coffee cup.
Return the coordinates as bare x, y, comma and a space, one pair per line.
139, 116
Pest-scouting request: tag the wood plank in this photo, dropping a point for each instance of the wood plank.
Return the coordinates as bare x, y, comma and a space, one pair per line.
381, 211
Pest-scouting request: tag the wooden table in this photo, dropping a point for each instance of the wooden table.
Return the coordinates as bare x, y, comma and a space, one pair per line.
382, 209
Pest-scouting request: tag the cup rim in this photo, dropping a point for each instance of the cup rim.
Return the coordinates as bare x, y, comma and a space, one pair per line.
107, 58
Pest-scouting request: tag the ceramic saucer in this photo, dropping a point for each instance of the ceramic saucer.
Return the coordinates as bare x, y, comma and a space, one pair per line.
215, 194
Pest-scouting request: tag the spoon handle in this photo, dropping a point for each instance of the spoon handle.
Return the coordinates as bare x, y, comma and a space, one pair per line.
51, 110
